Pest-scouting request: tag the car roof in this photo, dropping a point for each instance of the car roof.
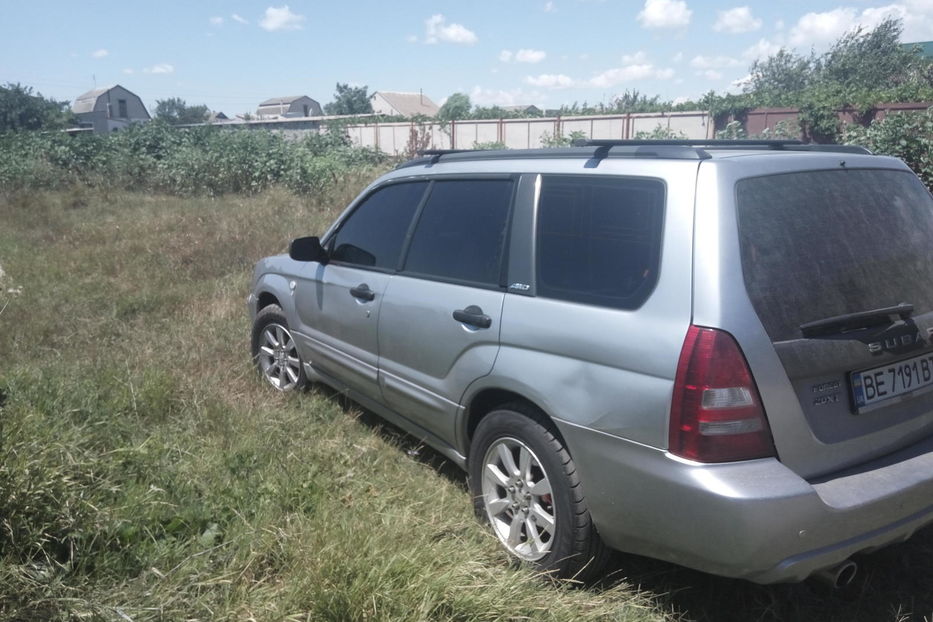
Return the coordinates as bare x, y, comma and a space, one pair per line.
638, 149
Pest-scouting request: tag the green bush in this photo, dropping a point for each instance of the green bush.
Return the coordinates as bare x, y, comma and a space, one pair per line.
160, 158
906, 135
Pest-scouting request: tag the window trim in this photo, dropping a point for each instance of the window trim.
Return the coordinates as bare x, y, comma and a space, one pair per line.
328, 241
536, 246
506, 241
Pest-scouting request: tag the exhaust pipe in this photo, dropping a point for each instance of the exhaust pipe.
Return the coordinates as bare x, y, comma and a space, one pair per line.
838, 576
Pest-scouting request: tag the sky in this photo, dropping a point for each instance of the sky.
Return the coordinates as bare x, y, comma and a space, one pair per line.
230, 55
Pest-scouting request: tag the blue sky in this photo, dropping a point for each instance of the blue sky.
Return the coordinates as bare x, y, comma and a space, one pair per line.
231, 55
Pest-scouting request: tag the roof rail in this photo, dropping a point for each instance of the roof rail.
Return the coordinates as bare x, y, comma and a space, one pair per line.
435, 154
776, 145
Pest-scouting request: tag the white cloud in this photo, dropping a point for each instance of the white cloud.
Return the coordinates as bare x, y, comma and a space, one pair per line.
101, 53
710, 74
281, 18
128, 71
665, 14
439, 31
638, 58
678, 57
713, 62
821, 28
550, 81
763, 49
635, 66
492, 97
629, 73
412, 38
779, 25
160, 68
216, 21
549, 7
530, 56
505, 56
239, 19
741, 83
737, 20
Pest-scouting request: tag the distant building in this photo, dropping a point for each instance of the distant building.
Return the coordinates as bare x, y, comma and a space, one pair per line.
216, 116
926, 48
109, 109
403, 104
530, 110
289, 107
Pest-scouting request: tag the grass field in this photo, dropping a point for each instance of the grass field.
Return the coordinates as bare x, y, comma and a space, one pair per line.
147, 474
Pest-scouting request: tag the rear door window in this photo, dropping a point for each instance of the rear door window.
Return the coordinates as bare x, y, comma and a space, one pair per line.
460, 235
819, 244
373, 234
599, 239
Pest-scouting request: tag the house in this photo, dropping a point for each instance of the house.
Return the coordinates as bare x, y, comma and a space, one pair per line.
403, 104
215, 117
926, 48
289, 107
109, 109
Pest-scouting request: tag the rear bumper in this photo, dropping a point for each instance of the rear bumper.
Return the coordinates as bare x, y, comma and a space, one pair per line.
755, 520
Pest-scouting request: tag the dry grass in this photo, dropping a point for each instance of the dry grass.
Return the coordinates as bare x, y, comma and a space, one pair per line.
147, 474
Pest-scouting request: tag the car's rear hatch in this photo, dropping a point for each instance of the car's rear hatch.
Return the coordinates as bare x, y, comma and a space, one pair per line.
838, 267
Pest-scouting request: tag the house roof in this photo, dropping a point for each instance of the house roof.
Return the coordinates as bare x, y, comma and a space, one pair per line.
926, 48
85, 102
278, 101
409, 104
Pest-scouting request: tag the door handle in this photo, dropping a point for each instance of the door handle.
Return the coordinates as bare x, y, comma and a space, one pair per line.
473, 316
362, 292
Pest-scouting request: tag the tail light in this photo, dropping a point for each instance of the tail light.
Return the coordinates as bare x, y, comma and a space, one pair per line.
716, 412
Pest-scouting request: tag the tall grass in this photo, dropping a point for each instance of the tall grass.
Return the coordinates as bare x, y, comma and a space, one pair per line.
184, 161
146, 473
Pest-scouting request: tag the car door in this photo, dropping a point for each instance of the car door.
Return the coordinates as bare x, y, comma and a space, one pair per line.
439, 322
338, 303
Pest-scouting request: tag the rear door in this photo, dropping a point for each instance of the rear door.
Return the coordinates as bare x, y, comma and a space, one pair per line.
338, 304
439, 322
838, 265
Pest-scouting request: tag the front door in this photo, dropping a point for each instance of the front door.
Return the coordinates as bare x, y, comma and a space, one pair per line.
338, 304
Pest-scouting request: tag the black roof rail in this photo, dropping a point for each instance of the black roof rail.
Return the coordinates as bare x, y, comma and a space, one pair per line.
776, 145
596, 150
435, 154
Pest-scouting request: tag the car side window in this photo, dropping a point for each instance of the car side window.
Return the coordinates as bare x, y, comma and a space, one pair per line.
373, 234
599, 239
460, 235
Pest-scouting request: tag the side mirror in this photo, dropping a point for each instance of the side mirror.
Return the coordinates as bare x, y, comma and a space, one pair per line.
307, 249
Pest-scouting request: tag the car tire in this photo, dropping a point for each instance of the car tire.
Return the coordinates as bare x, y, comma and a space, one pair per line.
525, 485
275, 352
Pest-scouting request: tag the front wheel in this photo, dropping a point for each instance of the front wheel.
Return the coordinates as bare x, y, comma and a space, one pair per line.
275, 352
525, 484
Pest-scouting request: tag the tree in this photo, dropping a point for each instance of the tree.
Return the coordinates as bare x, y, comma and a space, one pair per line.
349, 100
174, 110
870, 60
456, 107
20, 109
780, 76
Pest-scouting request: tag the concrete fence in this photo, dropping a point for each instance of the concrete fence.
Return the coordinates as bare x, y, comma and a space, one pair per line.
406, 137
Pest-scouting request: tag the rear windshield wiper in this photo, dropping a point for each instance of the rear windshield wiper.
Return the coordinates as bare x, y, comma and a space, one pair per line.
854, 321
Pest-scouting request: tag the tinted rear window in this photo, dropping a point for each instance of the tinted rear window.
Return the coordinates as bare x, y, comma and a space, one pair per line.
461, 233
825, 243
599, 239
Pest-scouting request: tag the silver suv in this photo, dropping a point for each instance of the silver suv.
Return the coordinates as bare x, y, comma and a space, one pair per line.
716, 354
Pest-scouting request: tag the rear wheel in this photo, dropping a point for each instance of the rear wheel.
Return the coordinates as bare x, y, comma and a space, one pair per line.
525, 484
275, 352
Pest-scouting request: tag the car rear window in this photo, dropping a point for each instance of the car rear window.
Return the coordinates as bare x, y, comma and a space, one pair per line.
599, 239
819, 244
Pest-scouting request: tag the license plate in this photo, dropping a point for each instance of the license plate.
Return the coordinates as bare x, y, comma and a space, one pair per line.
893, 380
